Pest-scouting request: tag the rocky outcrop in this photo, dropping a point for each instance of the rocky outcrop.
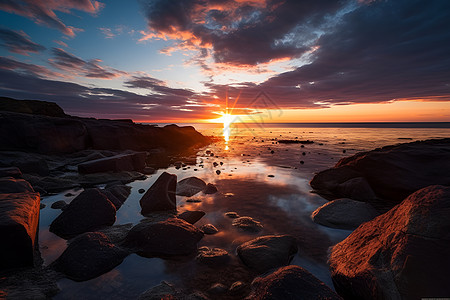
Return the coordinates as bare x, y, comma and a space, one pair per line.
391, 172
88, 256
344, 213
267, 252
190, 186
168, 237
33, 107
11, 185
89, 211
13, 172
19, 221
161, 195
402, 254
117, 163
291, 282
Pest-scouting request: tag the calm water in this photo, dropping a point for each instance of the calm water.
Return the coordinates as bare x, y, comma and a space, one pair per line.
282, 203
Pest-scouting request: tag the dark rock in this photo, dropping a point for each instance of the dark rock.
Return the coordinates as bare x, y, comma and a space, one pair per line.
164, 290
161, 195
291, 282
169, 237
117, 163
392, 172
270, 175
191, 216
213, 256
210, 189
295, 142
42, 205
238, 287
402, 254
193, 200
356, 188
19, 221
344, 213
33, 166
209, 229
88, 256
218, 172
11, 185
61, 204
117, 194
247, 224
89, 211
190, 186
11, 172
141, 191
302, 162
217, 289
268, 252
33, 107
232, 214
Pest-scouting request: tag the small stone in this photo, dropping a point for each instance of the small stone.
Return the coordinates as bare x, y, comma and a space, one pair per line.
271, 175
42, 205
218, 172
232, 214
215, 164
237, 287
303, 153
247, 224
213, 256
61, 204
69, 195
141, 191
209, 229
272, 152
210, 189
302, 146
343, 151
217, 289
302, 162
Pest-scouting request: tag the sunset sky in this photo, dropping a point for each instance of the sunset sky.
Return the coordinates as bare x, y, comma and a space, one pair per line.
179, 61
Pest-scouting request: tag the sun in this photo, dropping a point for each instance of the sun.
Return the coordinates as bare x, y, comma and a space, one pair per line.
227, 120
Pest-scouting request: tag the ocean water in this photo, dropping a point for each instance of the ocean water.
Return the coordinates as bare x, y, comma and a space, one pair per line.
282, 202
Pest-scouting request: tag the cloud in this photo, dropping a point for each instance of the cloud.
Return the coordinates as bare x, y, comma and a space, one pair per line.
43, 12
76, 66
18, 42
86, 101
110, 33
39, 71
157, 86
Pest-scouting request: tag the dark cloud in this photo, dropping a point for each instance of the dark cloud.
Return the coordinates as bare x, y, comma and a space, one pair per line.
43, 12
40, 71
75, 65
156, 85
18, 42
242, 32
99, 102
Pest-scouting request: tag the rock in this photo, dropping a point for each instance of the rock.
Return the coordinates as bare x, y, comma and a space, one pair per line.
268, 252
193, 200
161, 195
247, 224
356, 188
217, 289
190, 186
213, 256
210, 189
344, 214
19, 221
42, 205
33, 107
295, 142
237, 288
402, 254
218, 172
11, 172
33, 166
61, 204
291, 282
232, 214
88, 256
169, 237
164, 290
209, 229
89, 211
10, 185
117, 163
117, 194
141, 191
392, 172
270, 175
191, 216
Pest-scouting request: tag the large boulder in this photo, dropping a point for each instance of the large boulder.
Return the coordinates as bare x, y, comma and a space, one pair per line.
268, 252
168, 237
11, 185
190, 186
88, 256
344, 213
19, 220
117, 163
89, 211
391, 172
402, 254
161, 195
291, 282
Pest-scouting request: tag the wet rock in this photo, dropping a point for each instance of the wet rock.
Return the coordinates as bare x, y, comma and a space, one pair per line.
291, 282
13, 172
237, 288
190, 186
295, 142
193, 200
42, 205
169, 237
19, 221
271, 176
268, 252
247, 224
10, 185
161, 195
344, 213
191, 216
218, 172
61, 204
141, 191
89, 211
401, 254
210, 189
117, 194
356, 188
209, 229
392, 172
164, 290
117, 163
213, 256
217, 289
232, 215
88, 256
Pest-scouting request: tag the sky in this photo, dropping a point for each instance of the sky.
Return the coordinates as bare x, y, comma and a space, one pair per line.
186, 61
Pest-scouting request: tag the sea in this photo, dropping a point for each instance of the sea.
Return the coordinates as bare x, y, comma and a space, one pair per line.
260, 178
